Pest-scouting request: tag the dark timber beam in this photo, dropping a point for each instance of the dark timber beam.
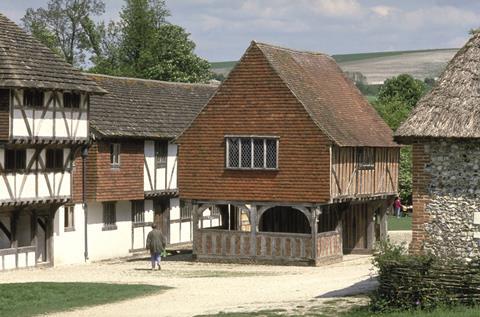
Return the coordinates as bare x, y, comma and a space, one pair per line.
4, 229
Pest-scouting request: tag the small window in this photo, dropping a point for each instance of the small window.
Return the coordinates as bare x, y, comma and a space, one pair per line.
33, 98
138, 211
161, 154
366, 158
15, 159
185, 210
115, 154
54, 158
69, 224
215, 211
252, 153
109, 216
71, 100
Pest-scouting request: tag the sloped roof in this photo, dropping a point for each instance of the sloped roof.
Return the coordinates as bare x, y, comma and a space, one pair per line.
332, 100
145, 108
452, 108
25, 62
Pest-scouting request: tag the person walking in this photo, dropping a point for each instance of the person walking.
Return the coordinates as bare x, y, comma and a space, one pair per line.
397, 206
156, 245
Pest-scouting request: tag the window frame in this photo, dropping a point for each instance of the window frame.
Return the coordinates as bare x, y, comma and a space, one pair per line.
252, 139
57, 166
109, 221
37, 97
365, 161
161, 161
68, 218
115, 151
138, 212
186, 210
16, 156
72, 100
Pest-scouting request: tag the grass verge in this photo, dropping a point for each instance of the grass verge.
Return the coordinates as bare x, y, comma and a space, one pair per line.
403, 223
28, 299
457, 312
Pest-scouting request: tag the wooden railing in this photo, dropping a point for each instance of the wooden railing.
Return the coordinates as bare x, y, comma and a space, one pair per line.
13, 258
268, 246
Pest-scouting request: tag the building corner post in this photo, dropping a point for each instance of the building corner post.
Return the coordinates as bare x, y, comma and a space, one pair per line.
84, 198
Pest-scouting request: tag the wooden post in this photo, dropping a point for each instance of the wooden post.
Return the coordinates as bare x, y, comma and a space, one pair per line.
370, 227
253, 231
195, 229
383, 223
13, 232
339, 227
313, 223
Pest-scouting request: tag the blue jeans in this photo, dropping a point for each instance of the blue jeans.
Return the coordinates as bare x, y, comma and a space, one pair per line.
155, 258
398, 212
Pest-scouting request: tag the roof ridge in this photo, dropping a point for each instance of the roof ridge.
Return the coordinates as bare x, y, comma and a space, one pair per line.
149, 80
290, 49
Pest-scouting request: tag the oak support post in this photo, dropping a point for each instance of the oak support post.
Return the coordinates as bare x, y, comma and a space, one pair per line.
383, 223
339, 227
313, 223
370, 228
253, 231
195, 229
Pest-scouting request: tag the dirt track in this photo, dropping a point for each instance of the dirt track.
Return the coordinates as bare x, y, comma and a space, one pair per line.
200, 288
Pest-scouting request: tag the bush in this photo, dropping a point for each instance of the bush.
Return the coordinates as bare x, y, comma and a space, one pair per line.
408, 282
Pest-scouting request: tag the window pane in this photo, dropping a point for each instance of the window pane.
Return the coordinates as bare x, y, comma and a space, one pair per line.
271, 153
9, 159
59, 159
115, 154
20, 159
258, 153
138, 211
233, 153
185, 210
161, 154
246, 152
50, 158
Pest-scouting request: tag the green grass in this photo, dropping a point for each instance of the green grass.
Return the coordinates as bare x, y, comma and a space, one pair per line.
339, 58
371, 98
28, 299
403, 223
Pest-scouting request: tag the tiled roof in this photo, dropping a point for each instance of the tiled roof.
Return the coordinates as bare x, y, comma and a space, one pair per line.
332, 100
25, 62
145, 108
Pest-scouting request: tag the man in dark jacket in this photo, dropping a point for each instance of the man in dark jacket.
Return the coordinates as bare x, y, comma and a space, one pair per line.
156, 244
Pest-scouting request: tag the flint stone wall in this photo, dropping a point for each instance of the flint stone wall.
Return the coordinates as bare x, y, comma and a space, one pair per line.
454, 191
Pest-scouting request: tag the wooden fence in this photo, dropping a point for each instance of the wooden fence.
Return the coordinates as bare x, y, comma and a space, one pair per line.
225, 245
14, 258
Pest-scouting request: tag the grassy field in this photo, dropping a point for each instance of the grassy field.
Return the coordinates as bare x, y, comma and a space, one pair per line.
339, 58
403, 223
28, 299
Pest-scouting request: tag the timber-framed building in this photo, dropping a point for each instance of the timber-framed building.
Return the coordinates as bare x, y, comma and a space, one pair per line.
301, 167
44, 110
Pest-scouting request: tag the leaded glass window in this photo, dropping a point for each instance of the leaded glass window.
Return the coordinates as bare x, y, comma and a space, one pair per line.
252, 153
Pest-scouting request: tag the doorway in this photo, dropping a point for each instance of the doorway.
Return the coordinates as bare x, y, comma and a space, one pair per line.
161, 208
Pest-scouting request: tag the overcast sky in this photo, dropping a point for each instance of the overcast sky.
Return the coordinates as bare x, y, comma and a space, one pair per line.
223, 29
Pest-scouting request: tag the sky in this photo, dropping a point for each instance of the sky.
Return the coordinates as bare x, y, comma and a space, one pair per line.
223, 29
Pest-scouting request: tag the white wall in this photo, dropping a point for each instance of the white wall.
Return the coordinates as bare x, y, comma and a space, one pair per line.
160, 178
68, 246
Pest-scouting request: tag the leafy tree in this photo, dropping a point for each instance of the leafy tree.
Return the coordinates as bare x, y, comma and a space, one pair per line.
66, 27
107, 61
396, 99
402, 88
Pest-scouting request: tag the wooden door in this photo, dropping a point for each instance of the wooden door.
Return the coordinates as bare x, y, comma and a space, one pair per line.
355, 229
161, 218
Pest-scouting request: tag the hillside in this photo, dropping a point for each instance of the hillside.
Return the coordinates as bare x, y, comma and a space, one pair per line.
378, 66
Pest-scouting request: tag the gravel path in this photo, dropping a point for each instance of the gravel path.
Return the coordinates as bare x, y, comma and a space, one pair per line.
200, 288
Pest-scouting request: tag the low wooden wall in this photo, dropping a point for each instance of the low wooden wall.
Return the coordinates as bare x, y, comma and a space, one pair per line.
15, 258
232, 246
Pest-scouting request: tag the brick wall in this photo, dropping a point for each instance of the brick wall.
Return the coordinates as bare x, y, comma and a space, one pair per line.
255, 101
421, 181
105, 183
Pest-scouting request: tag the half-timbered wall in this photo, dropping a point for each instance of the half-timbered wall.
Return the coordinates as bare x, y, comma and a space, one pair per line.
353, 176
35, 182
52, 121
163, 178
4, 113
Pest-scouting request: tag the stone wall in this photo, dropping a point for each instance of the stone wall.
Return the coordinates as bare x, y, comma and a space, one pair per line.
447, 198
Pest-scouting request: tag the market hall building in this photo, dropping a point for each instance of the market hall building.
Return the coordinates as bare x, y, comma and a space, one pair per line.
301, 167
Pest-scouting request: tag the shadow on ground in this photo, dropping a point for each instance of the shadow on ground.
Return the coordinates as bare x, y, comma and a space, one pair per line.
359, 288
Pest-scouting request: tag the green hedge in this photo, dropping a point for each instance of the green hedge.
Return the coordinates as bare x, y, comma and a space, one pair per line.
422, 282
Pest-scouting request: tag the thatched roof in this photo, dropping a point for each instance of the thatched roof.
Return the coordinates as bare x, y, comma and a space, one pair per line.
452, 108
27, 63
333, 101
140, 108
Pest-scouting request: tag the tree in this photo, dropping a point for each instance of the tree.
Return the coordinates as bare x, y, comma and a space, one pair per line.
107, 61
66, 27
396, 99
402, 88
